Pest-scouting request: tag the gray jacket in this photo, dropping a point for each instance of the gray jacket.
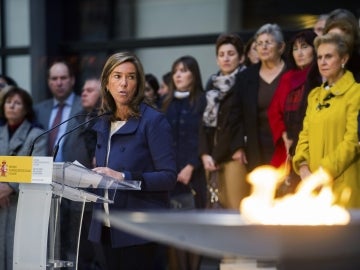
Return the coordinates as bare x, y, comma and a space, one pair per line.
18, 145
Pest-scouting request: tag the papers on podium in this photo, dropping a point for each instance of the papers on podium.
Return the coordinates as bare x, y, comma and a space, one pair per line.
69, 178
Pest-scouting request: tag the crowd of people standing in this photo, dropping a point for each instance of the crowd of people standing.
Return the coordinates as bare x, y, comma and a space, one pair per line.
191, 145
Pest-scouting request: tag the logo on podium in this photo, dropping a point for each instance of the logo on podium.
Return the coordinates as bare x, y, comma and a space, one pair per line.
3, 168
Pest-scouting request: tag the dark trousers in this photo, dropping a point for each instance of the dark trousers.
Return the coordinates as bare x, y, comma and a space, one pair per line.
149, 256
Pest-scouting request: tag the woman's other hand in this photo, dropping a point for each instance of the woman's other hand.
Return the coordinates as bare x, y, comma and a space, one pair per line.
240, 156
209, 163
110, 172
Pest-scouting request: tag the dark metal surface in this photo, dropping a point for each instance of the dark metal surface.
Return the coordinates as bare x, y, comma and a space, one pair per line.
224, 233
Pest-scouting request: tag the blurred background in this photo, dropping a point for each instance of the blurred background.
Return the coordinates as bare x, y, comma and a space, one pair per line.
33, 32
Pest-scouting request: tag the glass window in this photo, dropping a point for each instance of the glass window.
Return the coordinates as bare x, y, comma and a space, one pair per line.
17, 27
158, 61
94, 20
18, 68
157, 18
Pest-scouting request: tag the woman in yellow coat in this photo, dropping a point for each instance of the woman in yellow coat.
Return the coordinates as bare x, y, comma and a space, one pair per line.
329, 138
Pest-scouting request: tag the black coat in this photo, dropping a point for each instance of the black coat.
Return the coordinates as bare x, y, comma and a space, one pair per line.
244, 116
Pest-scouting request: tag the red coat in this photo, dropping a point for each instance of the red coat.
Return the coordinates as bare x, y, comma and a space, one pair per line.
291, 80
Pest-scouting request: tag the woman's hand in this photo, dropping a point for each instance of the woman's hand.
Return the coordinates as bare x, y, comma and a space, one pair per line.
304, 171
110, 172
240, 156
287, 142
208, 163
185, 174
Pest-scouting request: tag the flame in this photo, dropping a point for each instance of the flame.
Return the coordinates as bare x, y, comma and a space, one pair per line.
311, 204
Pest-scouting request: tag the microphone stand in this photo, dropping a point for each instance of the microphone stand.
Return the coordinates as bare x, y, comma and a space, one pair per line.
51, 129
56, 148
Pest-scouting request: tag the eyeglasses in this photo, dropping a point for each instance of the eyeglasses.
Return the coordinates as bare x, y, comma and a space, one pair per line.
266, 43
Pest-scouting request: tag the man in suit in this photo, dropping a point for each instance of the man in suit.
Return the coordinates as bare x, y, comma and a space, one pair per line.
61, 81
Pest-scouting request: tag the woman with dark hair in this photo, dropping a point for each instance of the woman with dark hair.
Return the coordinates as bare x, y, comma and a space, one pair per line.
287, 108
251, 55
188, 62
133, 143
164, 88
17, 133
183, 111
225, 176
151, 90
285, 111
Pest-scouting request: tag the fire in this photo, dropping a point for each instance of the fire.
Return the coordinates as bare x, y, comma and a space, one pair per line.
309, 205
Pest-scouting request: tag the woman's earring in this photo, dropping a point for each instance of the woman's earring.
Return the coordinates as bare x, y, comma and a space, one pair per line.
342, 65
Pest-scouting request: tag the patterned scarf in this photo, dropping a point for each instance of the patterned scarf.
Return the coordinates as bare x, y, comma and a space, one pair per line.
222, 84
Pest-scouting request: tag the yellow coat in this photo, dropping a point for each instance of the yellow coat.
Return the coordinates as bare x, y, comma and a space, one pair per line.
329, 138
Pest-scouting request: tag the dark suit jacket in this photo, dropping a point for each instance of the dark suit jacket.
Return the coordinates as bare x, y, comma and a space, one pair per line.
43, 112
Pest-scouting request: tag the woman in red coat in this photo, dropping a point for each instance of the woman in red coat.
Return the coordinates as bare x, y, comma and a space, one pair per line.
286, 110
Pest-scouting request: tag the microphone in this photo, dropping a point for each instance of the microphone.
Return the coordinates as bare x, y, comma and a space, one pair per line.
51, 129
56, 147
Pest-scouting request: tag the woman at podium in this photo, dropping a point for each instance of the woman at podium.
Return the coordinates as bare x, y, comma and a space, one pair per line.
17, 132
133, 143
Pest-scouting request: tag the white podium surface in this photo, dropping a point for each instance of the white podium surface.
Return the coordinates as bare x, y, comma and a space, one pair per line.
36, 221
31, 227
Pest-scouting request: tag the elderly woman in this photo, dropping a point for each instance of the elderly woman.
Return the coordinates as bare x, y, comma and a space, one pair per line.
17, 132
329, 138
133, 143
252, 143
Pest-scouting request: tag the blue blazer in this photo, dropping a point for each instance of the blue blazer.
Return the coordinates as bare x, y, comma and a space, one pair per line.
142, 150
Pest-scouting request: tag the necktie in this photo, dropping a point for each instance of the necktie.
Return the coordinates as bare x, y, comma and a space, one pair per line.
53, 134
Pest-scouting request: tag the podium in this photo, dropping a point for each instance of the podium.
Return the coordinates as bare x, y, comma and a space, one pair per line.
36, 227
